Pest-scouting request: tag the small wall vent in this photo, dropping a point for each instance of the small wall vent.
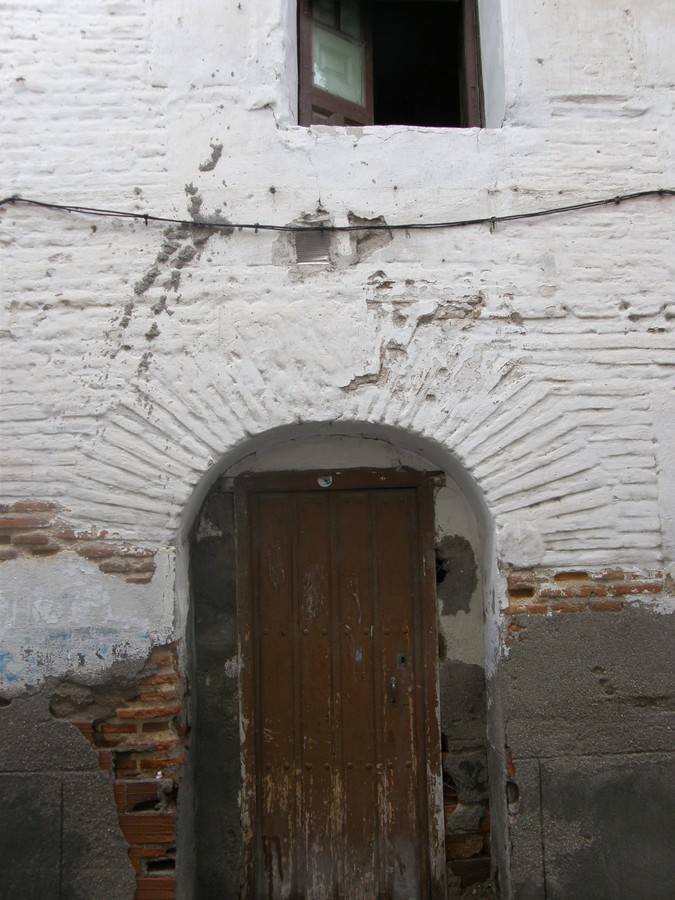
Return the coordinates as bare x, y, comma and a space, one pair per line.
312, 246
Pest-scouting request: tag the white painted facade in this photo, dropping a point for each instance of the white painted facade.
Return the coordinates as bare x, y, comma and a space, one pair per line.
532, 361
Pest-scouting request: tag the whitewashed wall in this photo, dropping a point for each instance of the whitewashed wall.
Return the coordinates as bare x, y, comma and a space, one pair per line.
135, 359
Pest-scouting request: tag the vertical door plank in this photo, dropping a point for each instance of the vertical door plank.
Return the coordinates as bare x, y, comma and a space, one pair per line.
274, 686
357, 715
315, 763
398, 596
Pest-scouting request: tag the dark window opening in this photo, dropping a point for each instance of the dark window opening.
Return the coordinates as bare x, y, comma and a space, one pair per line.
416, 77
389, 62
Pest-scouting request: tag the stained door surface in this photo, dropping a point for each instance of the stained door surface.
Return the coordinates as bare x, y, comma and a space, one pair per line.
341, 747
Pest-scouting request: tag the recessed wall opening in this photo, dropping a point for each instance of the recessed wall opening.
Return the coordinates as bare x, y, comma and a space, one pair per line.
458, 655
399, 62
312, 246
417, 54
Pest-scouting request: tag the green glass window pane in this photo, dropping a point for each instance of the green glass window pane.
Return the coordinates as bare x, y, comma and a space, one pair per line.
350, 20
324, 11
337, 65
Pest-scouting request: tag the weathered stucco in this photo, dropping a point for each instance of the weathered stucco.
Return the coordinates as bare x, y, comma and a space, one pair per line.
532, 361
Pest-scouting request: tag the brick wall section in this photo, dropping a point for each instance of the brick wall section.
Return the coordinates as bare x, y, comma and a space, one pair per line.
33, 528
467, 836
141, 745
539, 591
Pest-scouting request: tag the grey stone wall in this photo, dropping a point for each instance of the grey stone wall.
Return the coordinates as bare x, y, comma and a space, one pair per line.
59, 831
588, 701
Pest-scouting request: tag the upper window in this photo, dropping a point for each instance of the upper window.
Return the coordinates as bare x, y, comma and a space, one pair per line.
389, 62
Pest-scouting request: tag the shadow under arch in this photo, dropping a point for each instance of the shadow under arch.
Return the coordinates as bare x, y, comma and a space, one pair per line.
210, 859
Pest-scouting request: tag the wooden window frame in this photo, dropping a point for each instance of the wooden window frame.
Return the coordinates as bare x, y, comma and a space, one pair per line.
337, 111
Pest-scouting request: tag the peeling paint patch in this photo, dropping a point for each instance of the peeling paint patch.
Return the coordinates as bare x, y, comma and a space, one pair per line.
455, 574
195, 202
365, 243
209, 164
232, 667
146, 281
72, 621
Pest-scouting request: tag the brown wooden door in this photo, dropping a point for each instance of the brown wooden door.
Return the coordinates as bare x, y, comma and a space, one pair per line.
341, 745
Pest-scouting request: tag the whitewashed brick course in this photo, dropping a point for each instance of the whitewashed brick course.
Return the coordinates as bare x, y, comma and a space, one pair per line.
540, 354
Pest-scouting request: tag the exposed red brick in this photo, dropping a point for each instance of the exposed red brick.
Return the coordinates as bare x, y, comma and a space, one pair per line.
166, 743
638, 587
84, 726
25, 521
30, 538
140, 740
118, 728
139, 579
151, 693
510, 768
119, 794
135, 551
148, 828
555, 593
529, 609
521, 593
155, 888
120, 742
141, 791
560, 606
157, 763
471, 871
609, 575
607, 606
8, 553
48, 550
115, 566
520, 578
514, 626
138, 855
148, 712
157, 726
125, 764
162, 677
149, 745
96, 551
162, 656
462, 846
571, 576
592, 590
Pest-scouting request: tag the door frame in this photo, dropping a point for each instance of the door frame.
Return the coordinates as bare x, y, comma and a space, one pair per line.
430, 741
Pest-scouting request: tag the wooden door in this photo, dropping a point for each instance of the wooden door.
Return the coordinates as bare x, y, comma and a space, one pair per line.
341, 744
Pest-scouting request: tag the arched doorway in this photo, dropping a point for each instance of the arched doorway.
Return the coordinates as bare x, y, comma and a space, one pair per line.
265, 834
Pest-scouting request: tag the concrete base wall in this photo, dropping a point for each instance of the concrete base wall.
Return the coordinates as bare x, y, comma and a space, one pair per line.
588, 703
59, 832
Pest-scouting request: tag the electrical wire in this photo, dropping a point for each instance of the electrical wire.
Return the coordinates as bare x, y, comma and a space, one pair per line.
323, 227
